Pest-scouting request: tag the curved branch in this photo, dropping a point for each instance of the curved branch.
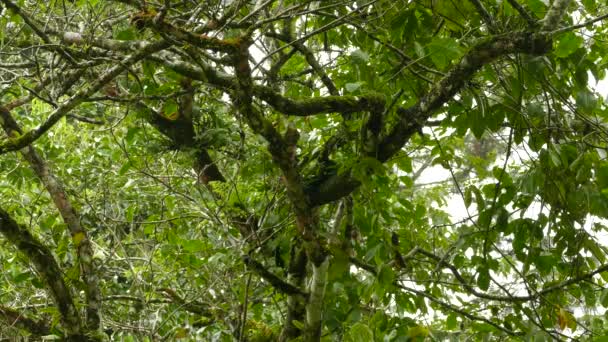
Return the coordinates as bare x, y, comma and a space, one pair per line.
206, 73
413, 118
44, 262
150, 18
581, 25
310, 58
288, 106
56, 189
279, 284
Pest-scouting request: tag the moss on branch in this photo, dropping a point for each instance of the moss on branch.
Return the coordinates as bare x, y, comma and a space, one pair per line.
320, 105
413, 118
288, 106
279, 284
43, 261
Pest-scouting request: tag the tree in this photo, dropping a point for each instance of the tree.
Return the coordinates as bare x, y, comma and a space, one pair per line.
252, 171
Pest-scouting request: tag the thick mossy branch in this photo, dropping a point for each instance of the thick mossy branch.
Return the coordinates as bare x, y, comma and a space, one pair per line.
181, 133
555, 14
413, 118
314, 307
82, 243
283, 151
282, 148
485, 52
319, 105
296, 305
151, 19
278, 283
43, 261
294, 107
289, 106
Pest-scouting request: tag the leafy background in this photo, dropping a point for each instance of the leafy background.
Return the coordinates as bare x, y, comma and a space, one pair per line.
519, 150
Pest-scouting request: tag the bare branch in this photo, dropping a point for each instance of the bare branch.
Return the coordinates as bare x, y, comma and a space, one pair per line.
581, 25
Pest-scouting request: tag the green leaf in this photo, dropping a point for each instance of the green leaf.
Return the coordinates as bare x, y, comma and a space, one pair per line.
468, 197
568, 44
418, 333
544, 263
604, 298
502, 220
419, 50
21, 277
149, 68
194, 245
359, 56
538, 7
386, 276
443, 51
483, 278
170, 110
125, 168
126, 34
130, 213
451, 322
352, 87
360, 332
586, 101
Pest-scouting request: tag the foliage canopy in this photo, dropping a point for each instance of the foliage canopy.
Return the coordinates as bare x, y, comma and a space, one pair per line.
288, 170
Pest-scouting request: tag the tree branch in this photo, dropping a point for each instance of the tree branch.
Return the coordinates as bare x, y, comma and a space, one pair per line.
56, 189
485, 15
310, 58
296, 310
80, 96
276, 282
413, 118
581, 25
554, 15
18, 320
44, 262
522, 12
448, 306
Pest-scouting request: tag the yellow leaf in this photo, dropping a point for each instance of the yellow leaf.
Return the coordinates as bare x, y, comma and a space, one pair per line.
77, 238
564, 318
181, 333
417, 332
172, 116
